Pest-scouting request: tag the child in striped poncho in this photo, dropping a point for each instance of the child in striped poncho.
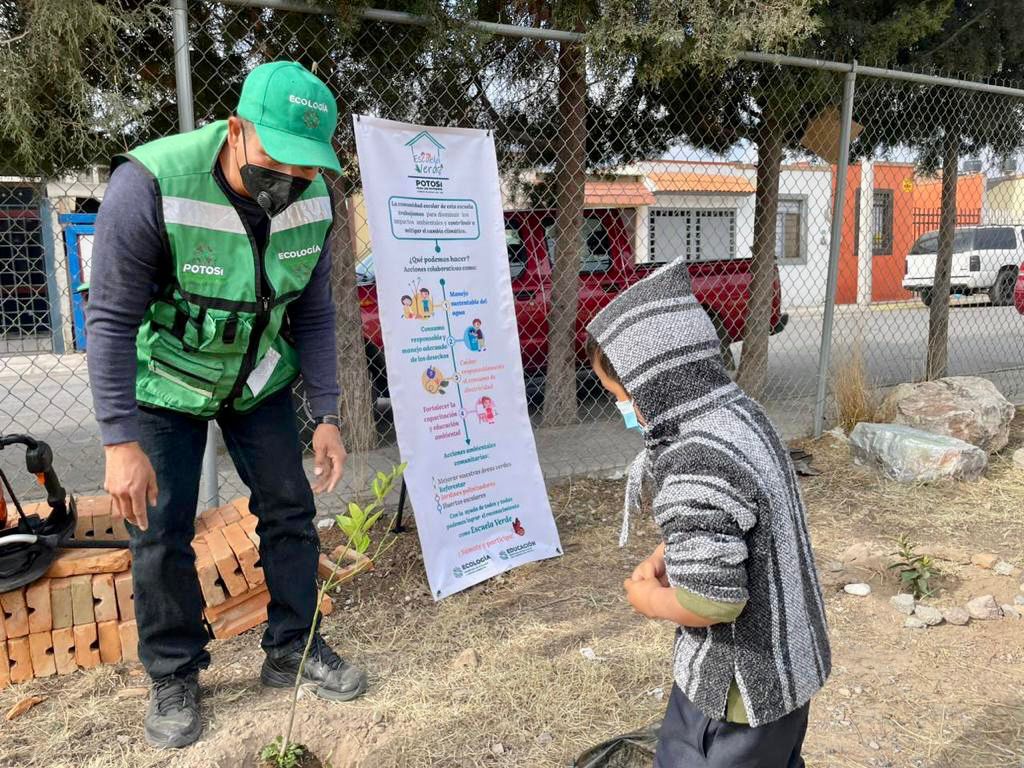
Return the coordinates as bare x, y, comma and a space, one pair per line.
735, 570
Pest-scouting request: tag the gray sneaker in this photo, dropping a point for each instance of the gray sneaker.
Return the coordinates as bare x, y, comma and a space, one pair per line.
173, 721
333, 678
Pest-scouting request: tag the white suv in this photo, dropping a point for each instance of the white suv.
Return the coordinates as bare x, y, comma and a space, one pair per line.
985, 260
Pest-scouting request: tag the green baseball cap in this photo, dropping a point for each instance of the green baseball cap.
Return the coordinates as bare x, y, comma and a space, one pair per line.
294, 112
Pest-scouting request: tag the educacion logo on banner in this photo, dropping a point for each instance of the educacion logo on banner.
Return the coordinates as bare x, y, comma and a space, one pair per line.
427, 162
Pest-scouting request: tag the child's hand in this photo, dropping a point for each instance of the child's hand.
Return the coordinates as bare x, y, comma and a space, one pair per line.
654, 601
653, 568
642, 595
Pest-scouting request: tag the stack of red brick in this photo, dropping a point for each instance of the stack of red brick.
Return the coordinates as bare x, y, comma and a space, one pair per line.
230, 576
81, 613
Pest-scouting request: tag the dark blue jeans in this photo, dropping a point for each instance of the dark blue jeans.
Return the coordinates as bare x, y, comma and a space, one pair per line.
264, 445
690, 739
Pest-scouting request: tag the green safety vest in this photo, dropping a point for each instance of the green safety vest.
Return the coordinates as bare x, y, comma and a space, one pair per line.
212, 336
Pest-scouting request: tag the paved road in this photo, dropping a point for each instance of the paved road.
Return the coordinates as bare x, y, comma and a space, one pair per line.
48, 396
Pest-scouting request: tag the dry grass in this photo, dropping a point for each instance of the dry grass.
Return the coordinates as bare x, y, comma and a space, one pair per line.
945, 698
848, 502
855, 395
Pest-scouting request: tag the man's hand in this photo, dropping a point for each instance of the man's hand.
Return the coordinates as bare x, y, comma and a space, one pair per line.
653, 567
131, 482
328, 458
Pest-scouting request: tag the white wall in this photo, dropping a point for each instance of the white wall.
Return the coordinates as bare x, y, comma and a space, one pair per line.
803, 285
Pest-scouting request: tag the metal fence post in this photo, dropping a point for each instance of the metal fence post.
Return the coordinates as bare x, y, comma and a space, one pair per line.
836, 234
46, 226
209, 495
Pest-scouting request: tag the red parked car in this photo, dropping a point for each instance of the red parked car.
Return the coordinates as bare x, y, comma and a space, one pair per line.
606, 269
1018, 291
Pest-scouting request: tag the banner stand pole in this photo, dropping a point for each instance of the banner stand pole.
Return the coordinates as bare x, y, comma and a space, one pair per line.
399, 528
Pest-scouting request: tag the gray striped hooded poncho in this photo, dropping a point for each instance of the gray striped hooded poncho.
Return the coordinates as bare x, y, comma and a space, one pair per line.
726, 498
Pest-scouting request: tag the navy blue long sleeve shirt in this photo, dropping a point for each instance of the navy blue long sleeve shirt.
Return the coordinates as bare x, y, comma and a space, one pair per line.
130, 264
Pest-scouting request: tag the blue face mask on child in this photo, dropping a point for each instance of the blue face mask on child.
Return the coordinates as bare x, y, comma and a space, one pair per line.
629, 414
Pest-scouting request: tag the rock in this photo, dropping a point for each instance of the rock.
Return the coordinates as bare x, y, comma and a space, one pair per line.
967, 408
858, 590
1004, 568
913, 622
874, 745
887, 411
930, 616
904, 604
863, 555
910, 455
958, 617
845, 693
984, 608
498, 749
545, 738
468, 659
985, 560
1010, 612
1018, 600
1018, 458
856, 553
835, 566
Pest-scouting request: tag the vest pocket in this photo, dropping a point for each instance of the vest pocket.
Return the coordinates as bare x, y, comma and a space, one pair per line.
198, 379
220, 332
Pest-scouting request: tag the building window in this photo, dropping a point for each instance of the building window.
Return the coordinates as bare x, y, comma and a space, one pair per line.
789, 232
695, 234
881, 223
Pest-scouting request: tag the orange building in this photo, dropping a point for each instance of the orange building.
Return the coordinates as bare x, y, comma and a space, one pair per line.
886, 209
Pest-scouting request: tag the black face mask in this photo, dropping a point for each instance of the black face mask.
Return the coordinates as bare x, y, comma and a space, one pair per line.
272, 190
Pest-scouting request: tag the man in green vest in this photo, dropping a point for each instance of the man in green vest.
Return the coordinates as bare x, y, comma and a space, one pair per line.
210, 293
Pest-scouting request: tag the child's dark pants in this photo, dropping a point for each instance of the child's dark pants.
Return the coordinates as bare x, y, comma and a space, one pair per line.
690, 739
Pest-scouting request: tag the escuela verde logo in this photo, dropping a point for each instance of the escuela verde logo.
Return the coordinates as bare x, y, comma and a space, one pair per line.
427, 154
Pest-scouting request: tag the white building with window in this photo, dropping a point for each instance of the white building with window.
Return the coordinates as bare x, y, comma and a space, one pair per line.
705, 211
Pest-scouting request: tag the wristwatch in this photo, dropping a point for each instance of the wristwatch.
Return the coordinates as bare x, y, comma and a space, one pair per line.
330, 418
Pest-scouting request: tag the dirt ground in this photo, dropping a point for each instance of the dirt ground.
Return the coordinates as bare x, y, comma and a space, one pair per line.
946, 697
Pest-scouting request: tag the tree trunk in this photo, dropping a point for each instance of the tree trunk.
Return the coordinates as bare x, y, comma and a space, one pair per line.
753, 372
570, 180
358, 425
938, 312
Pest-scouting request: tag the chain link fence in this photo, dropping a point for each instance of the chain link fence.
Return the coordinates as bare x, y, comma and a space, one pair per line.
604, 176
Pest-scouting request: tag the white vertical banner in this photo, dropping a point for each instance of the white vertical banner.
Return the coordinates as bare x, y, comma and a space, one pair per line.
451, 342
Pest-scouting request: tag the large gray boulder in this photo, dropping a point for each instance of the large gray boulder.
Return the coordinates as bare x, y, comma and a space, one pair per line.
968, 408
910, 455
